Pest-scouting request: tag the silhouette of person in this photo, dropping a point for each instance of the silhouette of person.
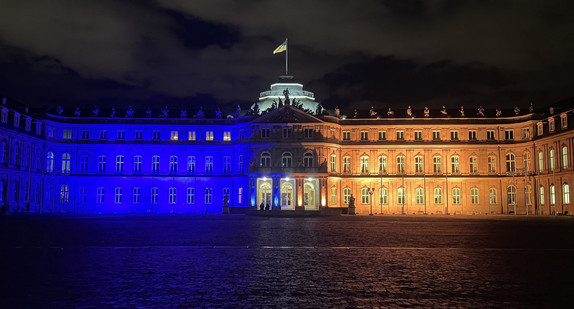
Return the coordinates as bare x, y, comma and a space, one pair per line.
261, 206
267, 206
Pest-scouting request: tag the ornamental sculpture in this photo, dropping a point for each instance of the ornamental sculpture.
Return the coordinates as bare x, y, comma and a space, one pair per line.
427, 111
480, 111
77, 112
130, 112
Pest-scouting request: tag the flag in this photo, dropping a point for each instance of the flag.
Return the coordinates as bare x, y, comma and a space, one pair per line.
281, 48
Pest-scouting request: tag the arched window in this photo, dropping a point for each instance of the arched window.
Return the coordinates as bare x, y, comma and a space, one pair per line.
66, 163
119, 164
510, 163
155, 164
511, 195
551, 155
382, 164
542, 199
540, 161
50, 162
564, 157
455, 164
436, 164
137, 163
420, 197
118, 195
566, 193
172, 195
438, 195
346, 195
400, 164
100, 195
456, 196
473, 165
492, 196
265, 160
286, 159
364, 164
308, 159
346, 164
474, 195
491, 165
64, 194
526, 161
528, 194
173, 164
552, 194
365, 196
333, 163
419, 167
383, 195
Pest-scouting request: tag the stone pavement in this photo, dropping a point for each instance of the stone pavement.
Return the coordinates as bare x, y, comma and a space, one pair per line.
247, 262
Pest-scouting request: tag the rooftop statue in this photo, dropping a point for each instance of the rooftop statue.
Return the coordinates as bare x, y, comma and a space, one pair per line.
113, 113
443, 110
337, 111
390, 112
274, 105
95, 111
183, 113
77, 112
318, 110
427, 111
531, 108
237, 111
148, 113
199, 113
480, 111
355, 113
498, 112
130, 112
218, 113
164, 112
60, 110
372, 111
551, 110
286, 94
461, 111
516, 111
409, 111
255, 109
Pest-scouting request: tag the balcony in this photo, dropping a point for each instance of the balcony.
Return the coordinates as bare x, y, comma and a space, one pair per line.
288, 170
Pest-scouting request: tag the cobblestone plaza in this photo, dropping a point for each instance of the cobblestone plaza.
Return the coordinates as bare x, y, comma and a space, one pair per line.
240, 261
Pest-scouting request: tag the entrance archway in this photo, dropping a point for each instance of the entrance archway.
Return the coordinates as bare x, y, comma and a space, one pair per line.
264, 194
309, 195
286, 195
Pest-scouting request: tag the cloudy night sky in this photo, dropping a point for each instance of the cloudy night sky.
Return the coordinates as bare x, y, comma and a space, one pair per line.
360, 53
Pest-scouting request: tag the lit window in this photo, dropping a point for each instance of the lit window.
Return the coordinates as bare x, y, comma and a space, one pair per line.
436, 163
419, 168
383, 195
118, 195
190, 196
365, 196
474, 195
492, 196
438, 195
401, 196
473, 164
540, 162
552, 194
542, 199
364, 164
333, 195
400, 164
64, 194
227, 136
551, 155
456, 196
491, 165
511, 195
564, 157
420, 198
333, 163
566, 193
174, 135
382, 164
346, 196
551, 125
66, 163
240, 195
67, 134
209, 135
191, 135
346, 164
455, 164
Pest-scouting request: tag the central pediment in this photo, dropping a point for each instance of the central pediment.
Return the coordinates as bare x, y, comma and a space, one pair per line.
287, 114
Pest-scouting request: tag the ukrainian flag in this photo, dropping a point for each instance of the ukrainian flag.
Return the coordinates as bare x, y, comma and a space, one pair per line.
281, 48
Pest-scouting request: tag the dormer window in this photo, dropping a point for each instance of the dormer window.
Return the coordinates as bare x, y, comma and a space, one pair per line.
16, 120
540, 128
4, 115
551, 125
564, 121
28, 124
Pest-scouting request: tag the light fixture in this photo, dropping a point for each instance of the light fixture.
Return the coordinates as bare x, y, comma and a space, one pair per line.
264, 178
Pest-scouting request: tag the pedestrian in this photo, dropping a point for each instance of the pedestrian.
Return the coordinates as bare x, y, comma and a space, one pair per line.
261, 206
267, 206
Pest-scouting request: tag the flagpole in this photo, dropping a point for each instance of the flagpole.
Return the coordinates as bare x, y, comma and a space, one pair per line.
286, 57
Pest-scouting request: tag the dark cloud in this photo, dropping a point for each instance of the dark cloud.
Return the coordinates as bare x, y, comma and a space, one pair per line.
349, 52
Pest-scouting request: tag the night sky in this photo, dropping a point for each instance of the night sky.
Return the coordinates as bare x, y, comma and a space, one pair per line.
187, 54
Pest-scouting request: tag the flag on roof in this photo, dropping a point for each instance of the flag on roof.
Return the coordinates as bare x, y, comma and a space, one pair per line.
281, 48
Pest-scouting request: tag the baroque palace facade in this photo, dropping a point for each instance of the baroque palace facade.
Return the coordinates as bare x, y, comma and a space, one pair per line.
294, 155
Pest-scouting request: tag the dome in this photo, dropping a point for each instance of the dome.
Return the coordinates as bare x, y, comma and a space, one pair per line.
280, 92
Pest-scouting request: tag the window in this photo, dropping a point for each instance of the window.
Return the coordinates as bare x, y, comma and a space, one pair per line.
28, 124
16, 120
118, 195
455, 164
172, 195
454, 135
540, 162
382, 135
419, 168
240, 163
400, 135
38, 128
420, 198
84, 164
564, 121
509, 135
308, 159
227, 136
383, 195
551, 155
525, 133
136, 195
436, 164
510, 163
208, 195
364, 135
526, 162
364, 164
101, 164
552, 194
103, 134
121, 135
286, 159
332, 133
474, 195
174, 135
209, 136
492, 196
173, 164
83, 195
100, 195
137, 163
551, 125
401, 164
190, 195
119, 164
66, 163
346, 135
566, 193
191, 164
265, 160
491, 165
138, 135
542, 199
4, 115
308, 133
333, 163
227, 164
418, 135
382, 164
265, 133
156, 135
436, 135
240, 195
490, 135
346, 164
456, 196
365, 200
191, 135
472, 135
67, 134
64, 194
155, 164
333, 195
208, 164
346, 195
540, 128
50, 132
401, 196
85, 135
287, 132
50, 162
473, 165
564, 157
528, 194
154, 195
3, 147
511, 195
438, 195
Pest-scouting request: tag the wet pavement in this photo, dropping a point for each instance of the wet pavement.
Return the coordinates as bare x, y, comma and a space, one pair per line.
239, 261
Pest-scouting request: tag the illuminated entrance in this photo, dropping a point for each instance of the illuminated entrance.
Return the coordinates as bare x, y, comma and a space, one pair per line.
287, 193
309, 195
265, 194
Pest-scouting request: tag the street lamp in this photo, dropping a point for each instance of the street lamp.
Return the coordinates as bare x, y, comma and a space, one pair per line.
371, 191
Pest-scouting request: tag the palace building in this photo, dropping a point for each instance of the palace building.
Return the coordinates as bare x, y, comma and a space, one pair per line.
290, 153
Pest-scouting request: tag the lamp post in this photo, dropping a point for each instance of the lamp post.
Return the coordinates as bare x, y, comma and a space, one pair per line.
371, 191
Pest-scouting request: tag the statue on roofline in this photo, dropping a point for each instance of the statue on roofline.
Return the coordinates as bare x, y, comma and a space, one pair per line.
516, 111
286, 94
372, 111
531, 108
461, 111
199, 113
95, 111
164, 112
148, 113
443, 110
390, 112
183, 113
498, 112
480, 111
60, 110
218, 113
337, 111
409, 111
355, 113
77, 112
113, 113
130, 112
427, 111
237, 112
